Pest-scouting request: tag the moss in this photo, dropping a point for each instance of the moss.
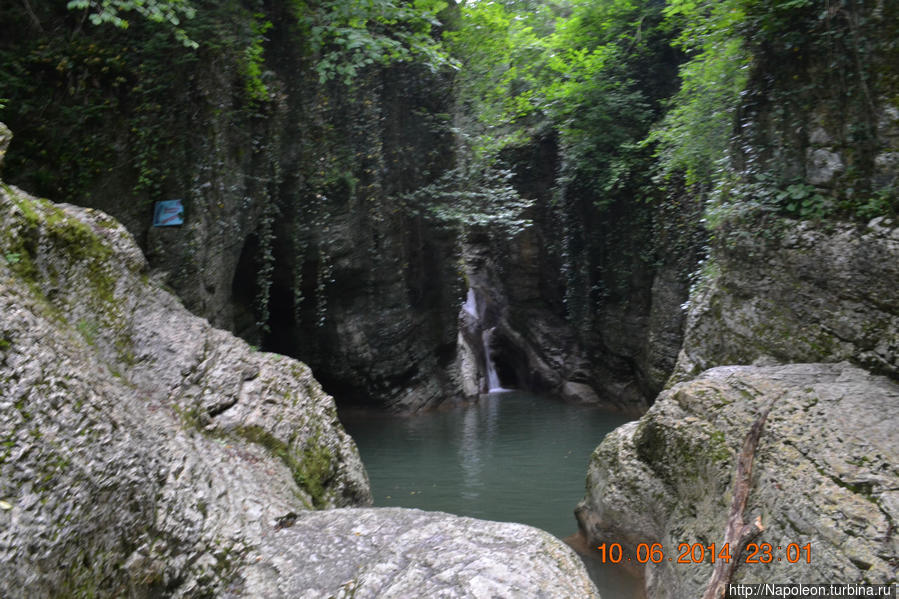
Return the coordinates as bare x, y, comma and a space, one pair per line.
311, 470
20, 407
42, 220
718, 449
192, 416
314, 471
88, 330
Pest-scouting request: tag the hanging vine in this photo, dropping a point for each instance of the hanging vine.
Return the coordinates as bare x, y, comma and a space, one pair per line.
266, 258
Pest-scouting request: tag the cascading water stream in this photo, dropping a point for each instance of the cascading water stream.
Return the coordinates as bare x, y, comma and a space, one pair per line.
474, 306
493, 385
471, 304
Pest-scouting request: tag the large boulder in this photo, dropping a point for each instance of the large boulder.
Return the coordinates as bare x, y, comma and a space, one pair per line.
144, 453
142, 448
826, 473
395, 553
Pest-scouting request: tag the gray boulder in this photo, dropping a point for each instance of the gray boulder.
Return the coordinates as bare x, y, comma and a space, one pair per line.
143, 451
394, 553
826, 473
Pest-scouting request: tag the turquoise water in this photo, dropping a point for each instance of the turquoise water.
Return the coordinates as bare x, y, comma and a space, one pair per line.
513, 457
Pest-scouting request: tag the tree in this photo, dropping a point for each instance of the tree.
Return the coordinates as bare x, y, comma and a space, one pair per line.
158, 11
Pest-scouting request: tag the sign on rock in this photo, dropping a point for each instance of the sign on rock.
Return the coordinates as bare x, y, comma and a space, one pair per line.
168, 213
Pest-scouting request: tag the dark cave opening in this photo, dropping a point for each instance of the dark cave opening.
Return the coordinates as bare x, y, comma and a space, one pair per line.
244, 289
510, 363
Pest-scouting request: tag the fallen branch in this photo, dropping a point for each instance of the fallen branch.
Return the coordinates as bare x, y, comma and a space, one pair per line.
738, 534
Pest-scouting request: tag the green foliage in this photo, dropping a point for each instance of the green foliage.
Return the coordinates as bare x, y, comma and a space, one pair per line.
254, 59
108, 107
589, 70
756, 202
804, 201
502, 48
880, 203
472, 196
169, 12
786, 68
349, 36
695, 133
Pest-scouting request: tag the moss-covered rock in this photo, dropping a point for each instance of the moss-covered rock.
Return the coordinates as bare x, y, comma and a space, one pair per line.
99, 469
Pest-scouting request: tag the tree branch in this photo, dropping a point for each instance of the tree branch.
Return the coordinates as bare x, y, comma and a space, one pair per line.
738, 533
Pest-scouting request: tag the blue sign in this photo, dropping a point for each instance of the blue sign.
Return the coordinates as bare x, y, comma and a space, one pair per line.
168, 214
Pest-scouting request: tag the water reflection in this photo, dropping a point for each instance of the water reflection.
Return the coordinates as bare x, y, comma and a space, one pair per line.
470, 456
511, 457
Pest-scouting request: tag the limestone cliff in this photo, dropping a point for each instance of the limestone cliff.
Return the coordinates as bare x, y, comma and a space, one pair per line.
814, 299
145, 453
586, 303
810, 295
295, 235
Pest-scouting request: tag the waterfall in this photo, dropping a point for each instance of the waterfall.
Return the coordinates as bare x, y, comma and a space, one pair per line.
474, 305
489, 367
471, 303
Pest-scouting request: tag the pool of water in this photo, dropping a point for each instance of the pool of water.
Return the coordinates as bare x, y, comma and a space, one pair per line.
513, 457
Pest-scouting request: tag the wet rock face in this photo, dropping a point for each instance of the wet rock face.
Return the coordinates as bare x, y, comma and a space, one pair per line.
366, 290
619, 364
619, 354
825, 474
144, 453
812, 296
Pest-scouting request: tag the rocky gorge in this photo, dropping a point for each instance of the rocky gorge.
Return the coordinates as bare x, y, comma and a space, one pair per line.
805, 326
162, 429
152, 454
791, 333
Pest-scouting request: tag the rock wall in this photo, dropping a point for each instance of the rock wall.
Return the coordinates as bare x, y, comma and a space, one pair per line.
586, 303
142, 447
365, 287
295, 226
298, 235
810, 295
822, 109
799, 315
824, 475
146, 454
817, 298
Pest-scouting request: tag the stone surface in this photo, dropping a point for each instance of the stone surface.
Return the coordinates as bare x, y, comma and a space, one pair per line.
141, 446
394, 553
144, 453
530, 345
365, 289
586, 301
825, 473
5, 138
809, 296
